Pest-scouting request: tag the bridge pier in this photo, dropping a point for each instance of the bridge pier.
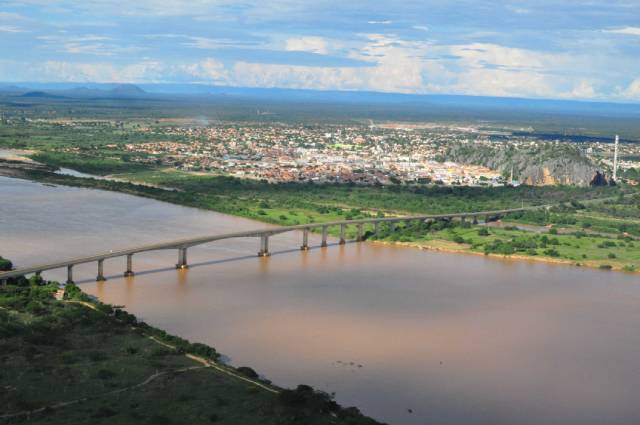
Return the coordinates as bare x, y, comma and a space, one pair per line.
70, 273
100, 277
475, 219
264, 246
360, 236
3, 282
305, 240
129, 272
376, 228
343, 234
182, 259
325, 231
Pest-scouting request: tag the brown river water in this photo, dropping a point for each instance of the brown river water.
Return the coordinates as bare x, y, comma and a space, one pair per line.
408, 336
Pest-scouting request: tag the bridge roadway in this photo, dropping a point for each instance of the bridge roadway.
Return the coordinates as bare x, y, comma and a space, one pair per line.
182, 244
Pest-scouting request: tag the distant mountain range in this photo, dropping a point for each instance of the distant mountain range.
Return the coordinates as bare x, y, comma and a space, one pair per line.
121, 91
159, 91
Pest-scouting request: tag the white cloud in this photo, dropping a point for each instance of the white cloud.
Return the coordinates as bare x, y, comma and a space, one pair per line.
10, 28
583, 90
209, 70
380, 22
100, 72
625, 31
307, 44
421, 27
632, 92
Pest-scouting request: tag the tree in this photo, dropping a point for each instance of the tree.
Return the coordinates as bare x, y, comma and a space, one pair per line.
5, 265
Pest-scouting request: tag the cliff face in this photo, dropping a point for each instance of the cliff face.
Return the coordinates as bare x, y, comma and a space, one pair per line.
538, 165
559, 171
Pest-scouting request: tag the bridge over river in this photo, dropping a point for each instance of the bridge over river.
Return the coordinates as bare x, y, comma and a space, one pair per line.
182, 245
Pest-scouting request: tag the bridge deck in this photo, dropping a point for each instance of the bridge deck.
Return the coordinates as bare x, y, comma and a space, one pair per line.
189, 242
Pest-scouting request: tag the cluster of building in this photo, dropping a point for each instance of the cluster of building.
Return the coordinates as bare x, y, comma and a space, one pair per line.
358, 154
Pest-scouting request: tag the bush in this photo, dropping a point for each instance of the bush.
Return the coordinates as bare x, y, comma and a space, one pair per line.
607, 244
5, 265
611, 255
551, 252
458, 239
105, 374
483, 231
605, 267
305, 397
248, 372
499, 247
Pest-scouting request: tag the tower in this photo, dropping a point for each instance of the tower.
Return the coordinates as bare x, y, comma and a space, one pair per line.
615, 158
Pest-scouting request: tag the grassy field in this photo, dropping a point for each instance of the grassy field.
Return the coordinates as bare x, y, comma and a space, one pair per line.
78, 361
511, 239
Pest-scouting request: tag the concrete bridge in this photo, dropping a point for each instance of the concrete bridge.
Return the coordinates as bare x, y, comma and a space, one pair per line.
182, 245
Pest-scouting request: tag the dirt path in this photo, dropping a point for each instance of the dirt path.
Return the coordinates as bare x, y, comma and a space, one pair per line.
61, 404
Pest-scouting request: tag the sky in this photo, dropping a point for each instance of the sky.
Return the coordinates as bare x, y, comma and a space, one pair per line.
571, 49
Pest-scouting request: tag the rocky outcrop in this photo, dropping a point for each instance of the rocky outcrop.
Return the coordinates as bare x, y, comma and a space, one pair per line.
539, 165
561, 171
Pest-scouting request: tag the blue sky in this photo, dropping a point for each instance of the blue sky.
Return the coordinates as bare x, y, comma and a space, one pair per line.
567, 49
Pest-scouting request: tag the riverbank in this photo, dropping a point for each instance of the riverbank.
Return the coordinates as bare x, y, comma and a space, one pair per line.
105, 364
453, 248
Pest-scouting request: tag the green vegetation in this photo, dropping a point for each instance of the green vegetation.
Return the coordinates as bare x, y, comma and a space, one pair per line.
569, 244
111, 368
86, 163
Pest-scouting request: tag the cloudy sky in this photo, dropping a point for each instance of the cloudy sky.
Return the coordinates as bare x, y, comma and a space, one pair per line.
570, 49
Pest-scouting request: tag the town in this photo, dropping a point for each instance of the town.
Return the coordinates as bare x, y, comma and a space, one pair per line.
367, 155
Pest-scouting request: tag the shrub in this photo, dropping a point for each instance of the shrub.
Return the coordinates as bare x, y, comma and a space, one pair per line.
551, 252
483, 231
607, 244
611, 255
458, 239
247, 371
499, 247
605, 267
5, 265
305, 397
105, 374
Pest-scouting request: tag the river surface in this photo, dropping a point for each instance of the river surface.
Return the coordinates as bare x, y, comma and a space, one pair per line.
408, 336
